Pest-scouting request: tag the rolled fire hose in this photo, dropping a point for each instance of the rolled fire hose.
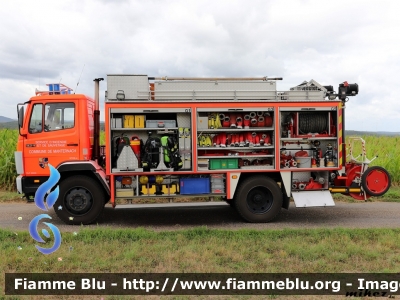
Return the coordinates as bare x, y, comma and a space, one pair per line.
302, 186
260, 121
232, 141
226, 122
268, 121
232, 121
239, 122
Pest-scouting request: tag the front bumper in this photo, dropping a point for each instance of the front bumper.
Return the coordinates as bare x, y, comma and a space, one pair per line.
29, 185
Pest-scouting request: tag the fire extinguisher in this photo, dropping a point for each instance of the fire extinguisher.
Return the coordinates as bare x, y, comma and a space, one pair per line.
136, 145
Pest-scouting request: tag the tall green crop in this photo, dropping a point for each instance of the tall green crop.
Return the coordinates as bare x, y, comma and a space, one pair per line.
387, 150
8, 144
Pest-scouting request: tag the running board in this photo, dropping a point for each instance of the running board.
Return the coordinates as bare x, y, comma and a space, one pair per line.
312, 198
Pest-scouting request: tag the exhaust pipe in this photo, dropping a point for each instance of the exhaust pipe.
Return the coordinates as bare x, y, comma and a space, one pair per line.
96, 121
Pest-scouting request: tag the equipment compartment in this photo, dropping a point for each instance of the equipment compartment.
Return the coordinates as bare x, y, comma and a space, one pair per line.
152, 139
246, 136
309, 137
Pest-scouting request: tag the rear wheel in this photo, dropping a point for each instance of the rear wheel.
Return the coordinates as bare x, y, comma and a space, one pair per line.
81, 200
376, 181
258, 199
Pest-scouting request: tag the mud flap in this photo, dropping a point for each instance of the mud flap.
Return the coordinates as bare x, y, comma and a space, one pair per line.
312, 198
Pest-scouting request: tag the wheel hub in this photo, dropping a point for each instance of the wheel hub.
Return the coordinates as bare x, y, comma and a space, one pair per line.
259, 200
78, 201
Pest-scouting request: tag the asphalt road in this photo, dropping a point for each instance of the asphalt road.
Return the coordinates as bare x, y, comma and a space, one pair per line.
175, 216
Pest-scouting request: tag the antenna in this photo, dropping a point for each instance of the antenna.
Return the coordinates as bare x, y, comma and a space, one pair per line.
79, 79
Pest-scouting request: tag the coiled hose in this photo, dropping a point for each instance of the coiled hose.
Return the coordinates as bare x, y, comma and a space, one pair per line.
315, 122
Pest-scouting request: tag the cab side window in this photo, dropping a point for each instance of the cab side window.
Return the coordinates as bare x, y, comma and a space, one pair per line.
59, 116
36, 121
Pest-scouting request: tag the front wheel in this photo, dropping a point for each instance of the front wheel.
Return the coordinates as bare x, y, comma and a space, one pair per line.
80, 201
258, 199
231, 203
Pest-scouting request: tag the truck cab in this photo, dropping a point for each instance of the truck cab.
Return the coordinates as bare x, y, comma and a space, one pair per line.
55, 129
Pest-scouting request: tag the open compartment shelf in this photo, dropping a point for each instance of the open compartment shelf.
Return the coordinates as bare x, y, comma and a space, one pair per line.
308, 138
234, 139
150, 140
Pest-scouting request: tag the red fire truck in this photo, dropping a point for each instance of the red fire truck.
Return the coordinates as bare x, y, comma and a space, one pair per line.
236, 139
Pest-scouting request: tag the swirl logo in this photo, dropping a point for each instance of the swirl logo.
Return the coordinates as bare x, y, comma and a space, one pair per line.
40, 202
35, 235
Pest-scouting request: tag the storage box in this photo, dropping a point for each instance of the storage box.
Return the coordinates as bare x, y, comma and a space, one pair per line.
116, 123
202, 123
160, 123
124, 193
202, 164
129, 121
223, 163
190, 186
134, 86
217, 179
217, 188
139, 121
214, 90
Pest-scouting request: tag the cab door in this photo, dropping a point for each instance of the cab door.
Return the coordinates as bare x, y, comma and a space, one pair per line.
53, 136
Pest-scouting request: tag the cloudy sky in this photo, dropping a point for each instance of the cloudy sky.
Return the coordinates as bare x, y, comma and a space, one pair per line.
328, 41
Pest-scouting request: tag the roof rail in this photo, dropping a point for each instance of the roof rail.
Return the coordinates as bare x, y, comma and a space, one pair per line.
55, 89
265, 78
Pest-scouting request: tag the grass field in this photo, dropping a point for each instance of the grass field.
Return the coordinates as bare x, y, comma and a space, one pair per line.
208, 250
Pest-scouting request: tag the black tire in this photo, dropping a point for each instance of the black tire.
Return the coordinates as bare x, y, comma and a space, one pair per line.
231, 203
81, 200
30, 197
376, 181
258, 199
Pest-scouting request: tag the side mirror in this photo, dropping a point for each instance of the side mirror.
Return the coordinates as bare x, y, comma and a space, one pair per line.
21, 112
